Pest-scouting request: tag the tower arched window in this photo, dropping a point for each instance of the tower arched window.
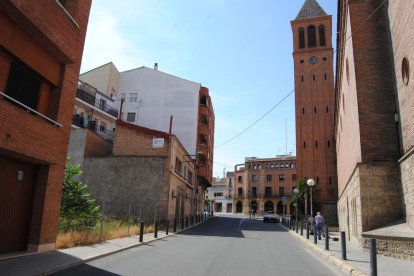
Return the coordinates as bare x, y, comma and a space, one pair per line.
322, 40
301, 38
311, 36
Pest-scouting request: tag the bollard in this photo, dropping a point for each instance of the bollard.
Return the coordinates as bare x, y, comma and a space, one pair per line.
205, 216
156, 230
192, 220
307, 231
301, 228
296, 226
343, 245
373, 255
326, 238
315, 236
168, 226
175, 225
186, 222
182, 223
196, 217
141, 232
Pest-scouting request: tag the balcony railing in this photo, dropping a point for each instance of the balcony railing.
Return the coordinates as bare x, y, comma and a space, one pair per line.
103, 132
31, 110
86, 97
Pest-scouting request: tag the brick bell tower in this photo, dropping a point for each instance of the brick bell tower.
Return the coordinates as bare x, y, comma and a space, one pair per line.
314, 106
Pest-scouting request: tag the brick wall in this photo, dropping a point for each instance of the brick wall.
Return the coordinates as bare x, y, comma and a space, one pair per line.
47, 48
96, 146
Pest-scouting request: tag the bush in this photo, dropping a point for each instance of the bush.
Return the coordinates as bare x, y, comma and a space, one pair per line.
78, 209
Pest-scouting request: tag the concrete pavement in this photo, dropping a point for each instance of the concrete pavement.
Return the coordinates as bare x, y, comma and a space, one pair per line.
54, 261
358, 260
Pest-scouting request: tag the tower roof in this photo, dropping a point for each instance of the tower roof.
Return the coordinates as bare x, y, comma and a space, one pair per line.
310, 9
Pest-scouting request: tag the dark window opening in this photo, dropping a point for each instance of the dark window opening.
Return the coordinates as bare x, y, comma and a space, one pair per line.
240, 192
330, 180
327, 109
294, 177
281, 191
254, 191
269, 177
239, 178
304, 144
23, 84
302, 61
303, 110
313, 77
317, 180
322, 40
311, 36
268, 191
301, 38
329, 144
325, 76
316, 144
203, 100
302, 78
281, 177
204, 120
314, 109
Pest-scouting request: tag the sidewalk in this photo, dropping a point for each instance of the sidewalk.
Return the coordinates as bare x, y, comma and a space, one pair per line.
358, 260
54, 261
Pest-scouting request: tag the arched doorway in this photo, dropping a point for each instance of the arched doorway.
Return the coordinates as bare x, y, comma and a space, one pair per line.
254, 206
239, 207
268, 206
279, 207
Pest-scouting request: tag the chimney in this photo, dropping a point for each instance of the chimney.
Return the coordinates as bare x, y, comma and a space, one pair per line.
156, 66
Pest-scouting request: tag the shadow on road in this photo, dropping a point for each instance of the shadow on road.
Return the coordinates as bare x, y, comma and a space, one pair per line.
231, 227
85, 269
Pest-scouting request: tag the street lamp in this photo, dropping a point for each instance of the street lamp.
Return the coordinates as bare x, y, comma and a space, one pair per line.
296, 192
311, 183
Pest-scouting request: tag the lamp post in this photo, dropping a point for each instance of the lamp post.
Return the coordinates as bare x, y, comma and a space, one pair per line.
311, 183
296, 192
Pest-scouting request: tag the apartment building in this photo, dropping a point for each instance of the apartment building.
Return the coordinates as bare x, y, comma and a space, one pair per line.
41, 46
265, 184
221, 192
153, 99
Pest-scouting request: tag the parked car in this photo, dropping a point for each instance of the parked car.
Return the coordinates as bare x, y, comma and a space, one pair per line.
271, 216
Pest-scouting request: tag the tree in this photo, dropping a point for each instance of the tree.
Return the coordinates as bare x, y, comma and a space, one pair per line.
78, 209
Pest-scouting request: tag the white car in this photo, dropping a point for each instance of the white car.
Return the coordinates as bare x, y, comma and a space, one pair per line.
270, 216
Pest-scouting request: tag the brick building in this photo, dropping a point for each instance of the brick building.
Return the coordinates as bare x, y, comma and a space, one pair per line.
374, 123
314, 102
264, 184
41, 45
158, 100
148, 170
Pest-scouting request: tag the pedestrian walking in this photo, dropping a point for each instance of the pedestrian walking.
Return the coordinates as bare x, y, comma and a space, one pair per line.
320, 221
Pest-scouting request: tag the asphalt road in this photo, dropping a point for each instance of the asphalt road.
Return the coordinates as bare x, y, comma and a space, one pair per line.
220, 246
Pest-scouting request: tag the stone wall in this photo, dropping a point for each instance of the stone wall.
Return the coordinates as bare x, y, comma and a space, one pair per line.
116, 182
407, 179
370, 200
393, 248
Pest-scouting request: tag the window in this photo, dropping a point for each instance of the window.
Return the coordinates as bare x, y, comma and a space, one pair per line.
329, 144
281, 177
269, 177
272, 166
311, 36
204, 120
325, 76
254, 177
316, 144
314, 109
133, 97
313, 77
239, 178
218, 194
102, 104
276, 166
405, 71
23, 84
302, 78
301, 38
281, 191
254, 167
327, 109
254, 191
322, 40
268, 191
293, 176
178, 166
330, 180
304, 144
190, 177
259, 167
281, 165
240, 192
203, 100
317, 180
303, 110
131, 117
202, 139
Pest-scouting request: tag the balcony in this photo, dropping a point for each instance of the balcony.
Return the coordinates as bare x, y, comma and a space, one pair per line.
88, 98
101, 131
273, 195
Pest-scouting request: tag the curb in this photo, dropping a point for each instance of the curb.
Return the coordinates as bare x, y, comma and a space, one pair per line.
83, 261
330, 258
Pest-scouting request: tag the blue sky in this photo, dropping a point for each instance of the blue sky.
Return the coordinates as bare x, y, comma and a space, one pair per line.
240, 49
